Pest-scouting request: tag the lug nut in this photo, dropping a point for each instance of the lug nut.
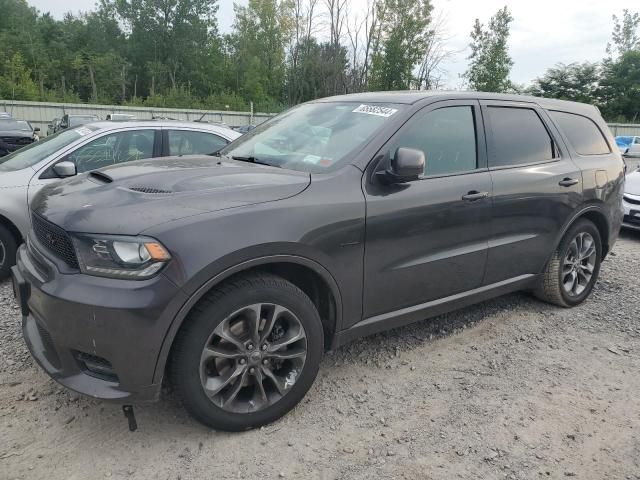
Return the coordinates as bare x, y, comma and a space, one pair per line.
265, 362
251, 370
264, 347
250, 346
242, 361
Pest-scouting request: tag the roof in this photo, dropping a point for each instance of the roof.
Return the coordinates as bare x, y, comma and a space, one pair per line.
109, 125
410, 97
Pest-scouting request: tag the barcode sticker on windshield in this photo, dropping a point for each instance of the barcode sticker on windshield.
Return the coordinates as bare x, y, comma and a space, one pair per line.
375, 110
83, 131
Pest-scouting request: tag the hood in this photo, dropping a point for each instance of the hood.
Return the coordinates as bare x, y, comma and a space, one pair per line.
632, 183
133, 197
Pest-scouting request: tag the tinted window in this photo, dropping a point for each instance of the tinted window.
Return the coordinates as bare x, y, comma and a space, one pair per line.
447, 137
182, 142
115, 148
585, 137
519, 137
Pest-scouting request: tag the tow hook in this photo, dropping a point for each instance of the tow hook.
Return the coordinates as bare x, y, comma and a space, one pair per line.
131, 418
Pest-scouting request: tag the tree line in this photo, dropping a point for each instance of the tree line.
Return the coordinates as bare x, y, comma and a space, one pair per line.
171, 53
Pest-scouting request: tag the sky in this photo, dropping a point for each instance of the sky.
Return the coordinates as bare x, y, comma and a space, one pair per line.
543, 33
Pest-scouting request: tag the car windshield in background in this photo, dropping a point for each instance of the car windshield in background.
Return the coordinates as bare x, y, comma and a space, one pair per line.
38, 151
76, 120
14, 125
314, 137
624, 141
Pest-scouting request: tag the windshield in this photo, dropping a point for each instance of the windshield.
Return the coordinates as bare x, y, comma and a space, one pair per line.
314, 137
8, 125
38, 151
81, 120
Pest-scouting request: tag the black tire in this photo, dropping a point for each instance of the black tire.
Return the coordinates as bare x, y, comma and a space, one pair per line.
208, 314
8, 249
550, 288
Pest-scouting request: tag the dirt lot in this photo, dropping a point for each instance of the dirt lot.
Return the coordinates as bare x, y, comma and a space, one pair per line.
511, 388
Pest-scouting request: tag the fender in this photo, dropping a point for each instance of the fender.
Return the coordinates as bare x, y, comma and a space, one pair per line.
220, 277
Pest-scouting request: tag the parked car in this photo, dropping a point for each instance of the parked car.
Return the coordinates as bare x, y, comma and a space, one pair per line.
72, 121
89, 147
5, 115
631, 201
15, 134
53, 127
120, 117
634, 148
233, 275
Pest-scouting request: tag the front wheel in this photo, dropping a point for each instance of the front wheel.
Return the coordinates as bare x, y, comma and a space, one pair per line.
8, 248
573, 270
248, 353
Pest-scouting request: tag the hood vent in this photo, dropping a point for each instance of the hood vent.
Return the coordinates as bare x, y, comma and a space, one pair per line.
100, 177
150, 190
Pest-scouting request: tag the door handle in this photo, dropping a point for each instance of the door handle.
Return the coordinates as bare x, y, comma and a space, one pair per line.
568, 182
474, 195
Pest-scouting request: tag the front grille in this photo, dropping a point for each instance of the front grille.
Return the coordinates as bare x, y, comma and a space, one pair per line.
628, 199
632, 219
19, 141
55, 239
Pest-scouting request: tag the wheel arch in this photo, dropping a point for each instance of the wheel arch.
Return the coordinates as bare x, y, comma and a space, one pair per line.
4, 221
308, 275
594, 214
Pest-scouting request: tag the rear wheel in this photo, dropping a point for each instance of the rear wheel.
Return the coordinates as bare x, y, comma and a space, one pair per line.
248, 353
573, 270
7, 251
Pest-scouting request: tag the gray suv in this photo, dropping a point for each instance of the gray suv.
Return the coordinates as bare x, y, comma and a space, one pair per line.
89, 147
339, 218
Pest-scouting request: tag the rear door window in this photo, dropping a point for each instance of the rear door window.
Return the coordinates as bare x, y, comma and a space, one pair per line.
518, 137
583, 134
186, 142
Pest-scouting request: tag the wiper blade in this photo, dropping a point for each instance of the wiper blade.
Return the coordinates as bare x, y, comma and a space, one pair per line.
252, 159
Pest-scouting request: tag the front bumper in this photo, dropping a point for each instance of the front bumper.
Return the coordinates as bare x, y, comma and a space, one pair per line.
631, 205
97, 336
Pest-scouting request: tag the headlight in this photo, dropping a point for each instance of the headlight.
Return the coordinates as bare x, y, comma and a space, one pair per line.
136, 258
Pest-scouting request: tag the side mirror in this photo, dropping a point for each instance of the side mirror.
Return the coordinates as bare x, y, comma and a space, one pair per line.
65, 169
407, 166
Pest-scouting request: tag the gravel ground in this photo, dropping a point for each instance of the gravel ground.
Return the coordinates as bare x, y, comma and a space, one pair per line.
510, 388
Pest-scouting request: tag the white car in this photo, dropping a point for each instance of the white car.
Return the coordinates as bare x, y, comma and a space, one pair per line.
85, 148
631, 201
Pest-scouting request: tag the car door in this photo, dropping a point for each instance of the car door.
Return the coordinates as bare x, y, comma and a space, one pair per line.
427, 239
536, 188
192, 142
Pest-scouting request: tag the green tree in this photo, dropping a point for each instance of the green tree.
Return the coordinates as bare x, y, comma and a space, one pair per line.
620, 88
401, 44
489, 61
579, 82
625, 36
16, 81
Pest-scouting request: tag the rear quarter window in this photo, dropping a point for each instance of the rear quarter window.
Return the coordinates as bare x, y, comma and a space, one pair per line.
582, 132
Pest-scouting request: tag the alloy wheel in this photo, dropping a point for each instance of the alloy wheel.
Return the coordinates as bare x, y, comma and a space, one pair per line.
579, 264
253, 358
